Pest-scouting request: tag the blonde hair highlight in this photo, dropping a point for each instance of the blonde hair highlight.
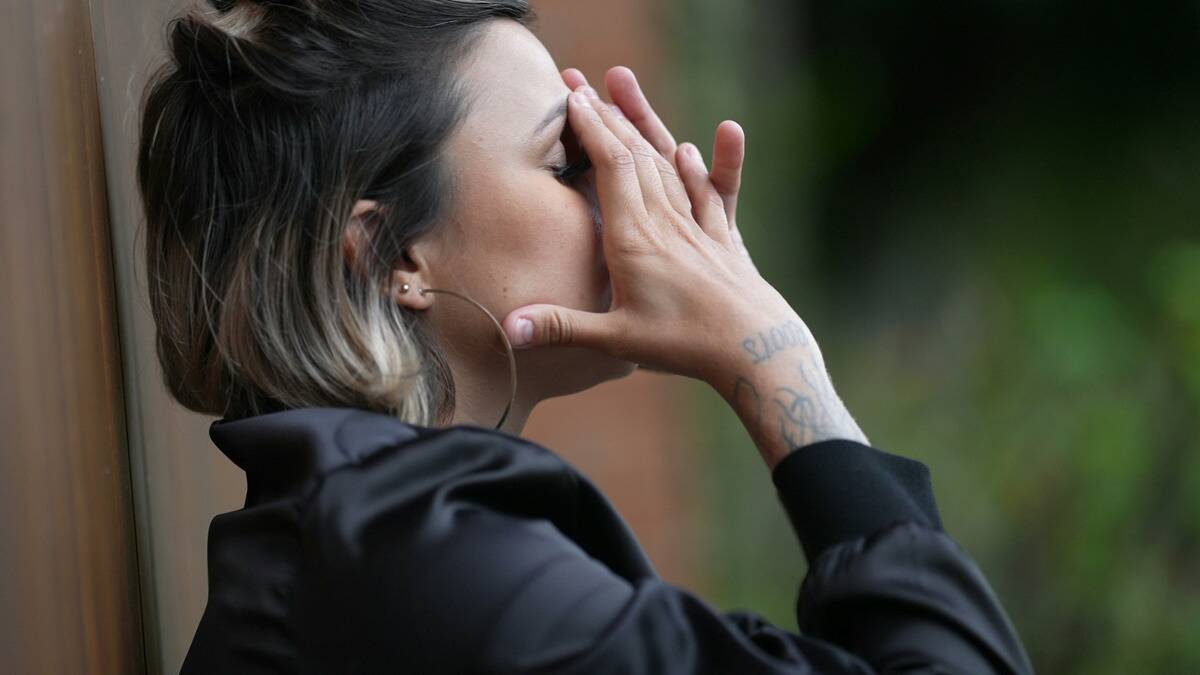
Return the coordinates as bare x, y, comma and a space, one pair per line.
259, 136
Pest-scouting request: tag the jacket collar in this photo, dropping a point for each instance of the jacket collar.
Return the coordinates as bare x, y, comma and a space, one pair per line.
281, 450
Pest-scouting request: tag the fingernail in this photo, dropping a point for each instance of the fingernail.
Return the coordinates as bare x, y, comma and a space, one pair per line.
524, 332
580, 99
591, 93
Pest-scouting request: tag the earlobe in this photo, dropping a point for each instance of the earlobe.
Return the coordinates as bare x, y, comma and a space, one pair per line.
412, 273
406, 290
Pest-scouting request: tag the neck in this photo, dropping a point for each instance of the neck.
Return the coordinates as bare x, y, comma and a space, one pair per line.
481, 395
487, 417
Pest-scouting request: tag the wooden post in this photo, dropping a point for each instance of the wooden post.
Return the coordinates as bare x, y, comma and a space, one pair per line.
68, 566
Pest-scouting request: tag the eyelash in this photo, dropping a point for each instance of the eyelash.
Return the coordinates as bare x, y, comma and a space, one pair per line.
567, 174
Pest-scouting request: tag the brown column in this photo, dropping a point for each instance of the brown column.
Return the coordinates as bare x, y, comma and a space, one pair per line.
68, 568
630, 436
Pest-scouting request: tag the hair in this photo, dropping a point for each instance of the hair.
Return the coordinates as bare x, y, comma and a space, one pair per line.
269, 121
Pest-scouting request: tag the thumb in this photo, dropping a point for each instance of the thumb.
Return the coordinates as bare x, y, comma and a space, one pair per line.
544, 325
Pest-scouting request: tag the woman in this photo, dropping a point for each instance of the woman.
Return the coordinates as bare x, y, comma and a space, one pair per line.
336, 193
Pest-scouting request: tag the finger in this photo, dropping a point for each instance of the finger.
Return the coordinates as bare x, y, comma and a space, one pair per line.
650, 178
628, 88
574, 78
707, 206
553, 325
729, 155
618, 188
627, 94
672, 188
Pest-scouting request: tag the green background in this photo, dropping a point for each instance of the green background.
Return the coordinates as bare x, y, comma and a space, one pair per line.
989, 215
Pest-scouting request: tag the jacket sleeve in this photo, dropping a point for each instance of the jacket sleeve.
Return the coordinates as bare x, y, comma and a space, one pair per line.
887, 591
884, 581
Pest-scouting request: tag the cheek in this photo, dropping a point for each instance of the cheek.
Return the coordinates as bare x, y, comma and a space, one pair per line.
522, 238
553, 253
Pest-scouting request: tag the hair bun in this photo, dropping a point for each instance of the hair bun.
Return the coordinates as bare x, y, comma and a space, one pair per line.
243, 49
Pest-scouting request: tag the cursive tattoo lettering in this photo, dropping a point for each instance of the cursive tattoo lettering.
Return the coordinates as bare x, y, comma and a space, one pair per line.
767, 343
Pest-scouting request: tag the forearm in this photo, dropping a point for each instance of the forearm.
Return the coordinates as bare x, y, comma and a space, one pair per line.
774, 378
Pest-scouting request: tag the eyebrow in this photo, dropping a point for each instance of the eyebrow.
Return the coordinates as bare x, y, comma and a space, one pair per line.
556, 112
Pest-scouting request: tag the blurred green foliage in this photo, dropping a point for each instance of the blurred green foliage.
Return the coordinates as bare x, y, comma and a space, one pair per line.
989, 215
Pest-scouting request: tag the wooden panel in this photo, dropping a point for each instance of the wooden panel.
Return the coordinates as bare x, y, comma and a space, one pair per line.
68, 568
180, 479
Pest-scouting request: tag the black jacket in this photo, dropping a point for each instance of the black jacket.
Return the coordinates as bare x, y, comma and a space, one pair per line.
368, 545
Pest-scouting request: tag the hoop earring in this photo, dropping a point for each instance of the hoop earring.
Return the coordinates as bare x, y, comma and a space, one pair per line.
512, 361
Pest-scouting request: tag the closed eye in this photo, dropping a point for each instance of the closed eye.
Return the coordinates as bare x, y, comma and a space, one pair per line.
577, 161
569, 173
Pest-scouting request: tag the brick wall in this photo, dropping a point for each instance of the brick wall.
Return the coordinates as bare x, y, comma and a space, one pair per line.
629, 436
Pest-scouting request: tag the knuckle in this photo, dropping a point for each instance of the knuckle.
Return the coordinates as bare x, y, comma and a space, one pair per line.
558, 330
667, 169
619, 158
636, 243
687, 227
644, 151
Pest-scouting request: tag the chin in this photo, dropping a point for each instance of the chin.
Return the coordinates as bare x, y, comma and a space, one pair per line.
570, 370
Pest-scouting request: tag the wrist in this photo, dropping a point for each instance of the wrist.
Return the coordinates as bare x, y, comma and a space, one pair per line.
749, 346
783, 394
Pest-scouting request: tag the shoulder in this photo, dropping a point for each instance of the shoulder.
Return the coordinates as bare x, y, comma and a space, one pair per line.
346, 474
394, 473
432, 535
453, 489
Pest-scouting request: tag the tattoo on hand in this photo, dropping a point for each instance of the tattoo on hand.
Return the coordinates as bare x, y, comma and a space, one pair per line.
745, 389
810, 417
808, 412
765, 344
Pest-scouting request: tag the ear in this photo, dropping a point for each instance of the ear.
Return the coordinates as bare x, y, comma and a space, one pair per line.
413, 269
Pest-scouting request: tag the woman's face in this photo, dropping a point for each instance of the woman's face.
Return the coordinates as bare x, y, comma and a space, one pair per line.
517, 235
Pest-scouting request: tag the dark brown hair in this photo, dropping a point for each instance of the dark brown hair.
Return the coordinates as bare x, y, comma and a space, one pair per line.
270, 120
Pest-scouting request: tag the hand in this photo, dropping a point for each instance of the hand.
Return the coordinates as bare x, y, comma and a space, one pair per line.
729, 142
684, 294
